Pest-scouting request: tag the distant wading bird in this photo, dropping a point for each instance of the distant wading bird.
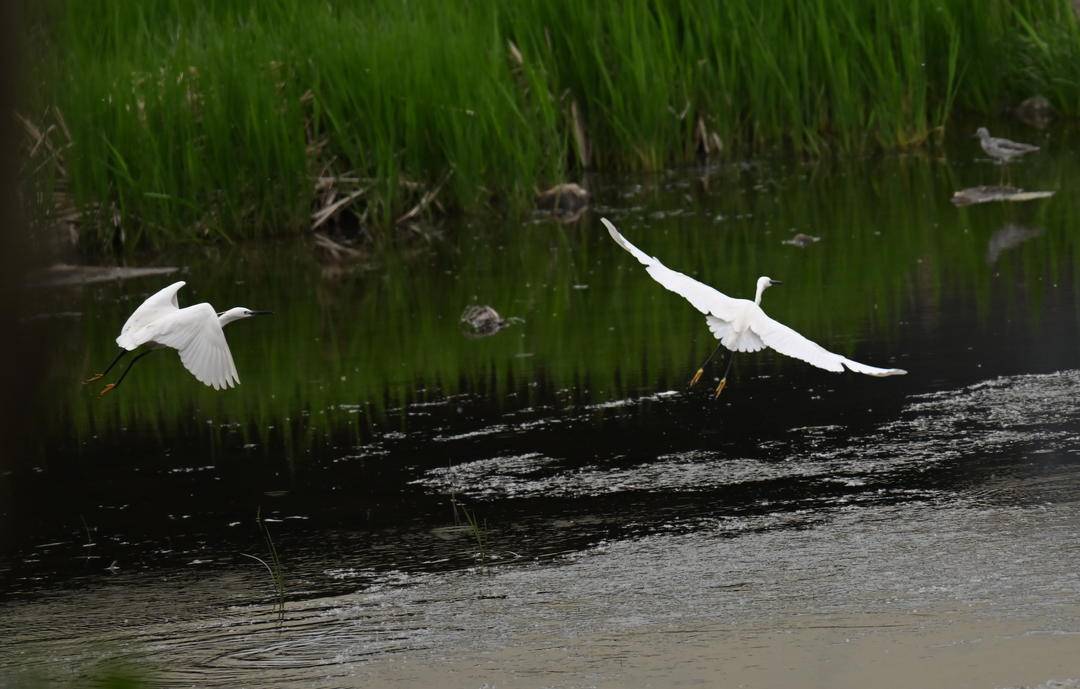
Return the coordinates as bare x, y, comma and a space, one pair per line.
740, 324
194, 331
1002, 150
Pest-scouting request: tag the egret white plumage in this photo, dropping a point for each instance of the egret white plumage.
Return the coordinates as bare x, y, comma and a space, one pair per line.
740, 324
194, 331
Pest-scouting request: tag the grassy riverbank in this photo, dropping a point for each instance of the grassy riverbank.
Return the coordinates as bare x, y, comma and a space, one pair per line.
167, 122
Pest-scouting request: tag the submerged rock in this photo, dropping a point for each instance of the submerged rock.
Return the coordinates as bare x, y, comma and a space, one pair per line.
338, 259
1035, 111
64, 274
986, 194
566, 202
330, 250
482, 320
802, 240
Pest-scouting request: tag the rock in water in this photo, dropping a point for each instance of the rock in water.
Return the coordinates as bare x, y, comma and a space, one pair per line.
1035, 111
985, 194
63, 274
481, 321
802, 240
566, 202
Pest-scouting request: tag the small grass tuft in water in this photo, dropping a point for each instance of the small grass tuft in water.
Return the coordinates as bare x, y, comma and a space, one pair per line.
478, 531
277, 573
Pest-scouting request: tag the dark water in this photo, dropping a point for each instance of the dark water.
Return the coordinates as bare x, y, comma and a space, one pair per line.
369, 429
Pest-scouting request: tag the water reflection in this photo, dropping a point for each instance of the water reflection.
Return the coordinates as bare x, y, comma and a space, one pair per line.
1009, 236
383, 338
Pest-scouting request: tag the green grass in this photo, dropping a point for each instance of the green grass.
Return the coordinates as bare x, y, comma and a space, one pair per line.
186, 121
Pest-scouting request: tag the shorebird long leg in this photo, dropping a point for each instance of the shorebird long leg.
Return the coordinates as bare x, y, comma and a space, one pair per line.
701, 369
723, 381
104, 373
112, 386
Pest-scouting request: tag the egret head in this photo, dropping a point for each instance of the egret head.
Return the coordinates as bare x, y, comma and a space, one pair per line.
764, 283
981, 133
238, 312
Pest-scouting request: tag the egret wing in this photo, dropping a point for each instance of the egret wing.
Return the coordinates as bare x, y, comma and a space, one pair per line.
705, 299
197, 335
1016, 146
786, 341
135, 331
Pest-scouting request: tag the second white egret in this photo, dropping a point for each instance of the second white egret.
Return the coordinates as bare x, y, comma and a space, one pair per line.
740, 324
194, 331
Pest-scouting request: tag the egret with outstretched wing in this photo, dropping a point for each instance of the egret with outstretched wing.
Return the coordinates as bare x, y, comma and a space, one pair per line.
740, 324
195, 332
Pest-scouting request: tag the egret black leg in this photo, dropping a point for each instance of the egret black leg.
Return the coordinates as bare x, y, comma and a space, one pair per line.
723, 381
104, 373
112, 386
701, 369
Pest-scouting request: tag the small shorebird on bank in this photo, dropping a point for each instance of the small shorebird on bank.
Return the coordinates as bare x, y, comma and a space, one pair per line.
1002, 150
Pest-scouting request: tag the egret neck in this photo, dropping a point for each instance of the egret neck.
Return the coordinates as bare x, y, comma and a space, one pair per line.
763, 283
237, 313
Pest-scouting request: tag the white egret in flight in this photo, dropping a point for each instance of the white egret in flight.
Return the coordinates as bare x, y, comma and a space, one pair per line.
194, 331
740, 324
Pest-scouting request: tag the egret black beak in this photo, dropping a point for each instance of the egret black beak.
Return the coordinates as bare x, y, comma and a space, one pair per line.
775, 282
261, 313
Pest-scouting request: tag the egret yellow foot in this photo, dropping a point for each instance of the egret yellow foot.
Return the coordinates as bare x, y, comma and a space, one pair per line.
720, 387
92, 378
107, 389
696, 378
